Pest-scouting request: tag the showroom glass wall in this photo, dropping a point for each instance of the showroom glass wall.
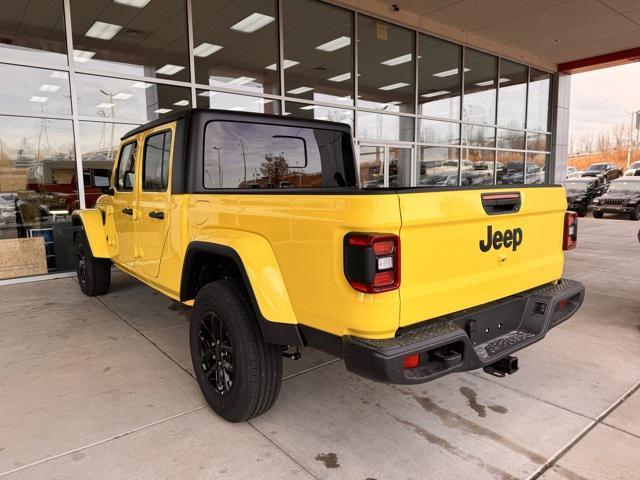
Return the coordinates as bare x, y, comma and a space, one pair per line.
81, 73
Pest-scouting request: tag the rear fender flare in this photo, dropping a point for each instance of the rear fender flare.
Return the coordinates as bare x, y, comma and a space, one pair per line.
91, 221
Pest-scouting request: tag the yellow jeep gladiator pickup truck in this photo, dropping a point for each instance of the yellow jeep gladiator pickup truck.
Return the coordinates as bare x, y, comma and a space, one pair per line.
260, 224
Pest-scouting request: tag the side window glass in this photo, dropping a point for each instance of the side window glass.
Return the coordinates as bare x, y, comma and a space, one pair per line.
155, 166
126, 167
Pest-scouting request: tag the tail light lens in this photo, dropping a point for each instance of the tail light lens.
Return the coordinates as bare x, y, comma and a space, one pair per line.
570, 238
372, 261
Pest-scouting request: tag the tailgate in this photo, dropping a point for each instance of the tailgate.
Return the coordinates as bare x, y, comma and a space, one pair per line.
448, 264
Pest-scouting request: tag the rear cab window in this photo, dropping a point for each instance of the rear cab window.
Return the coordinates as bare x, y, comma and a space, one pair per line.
243, 155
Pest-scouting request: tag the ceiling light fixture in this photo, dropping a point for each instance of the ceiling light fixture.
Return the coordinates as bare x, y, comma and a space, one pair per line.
299, 90
122, 96
206, 49
162, 110
59, 75
82, 56
141, 85
241, 81
45, 87
253, 22
263, 101
105, 105
435, 94
182, 103
103, 31
169, 69
133, 3
208, 93
341, 78
285, 64
448, 73
392, 62
308, 107
394, 86
37, 99
335, 44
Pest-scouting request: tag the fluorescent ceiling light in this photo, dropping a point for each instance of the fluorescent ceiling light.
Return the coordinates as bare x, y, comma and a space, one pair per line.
504, 80
122, 96
162, 110
169, 69
435, 94
448, 73
308, 107
182, 103
285, 64
208, 93
341, 78
392, 62
394, 102
485, 83
103, 31
141, 85
38, 99
206, 49
59, 75
237, 109
133, 3
45, 87
334, 44
286, 113
105, 105
253, 22
299, 90
82, 56
241, 81
393, 86
263, 101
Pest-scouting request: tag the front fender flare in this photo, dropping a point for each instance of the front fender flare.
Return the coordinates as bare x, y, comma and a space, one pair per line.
91, 221
262, 277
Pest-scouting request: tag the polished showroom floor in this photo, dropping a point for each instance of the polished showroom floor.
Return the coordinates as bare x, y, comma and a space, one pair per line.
102, 388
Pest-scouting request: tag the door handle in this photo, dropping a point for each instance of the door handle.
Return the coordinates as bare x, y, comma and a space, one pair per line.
127, 211
157, 215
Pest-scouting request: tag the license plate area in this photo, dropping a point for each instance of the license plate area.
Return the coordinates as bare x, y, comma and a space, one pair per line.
487, 324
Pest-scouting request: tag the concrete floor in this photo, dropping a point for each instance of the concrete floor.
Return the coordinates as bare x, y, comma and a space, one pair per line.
102, 388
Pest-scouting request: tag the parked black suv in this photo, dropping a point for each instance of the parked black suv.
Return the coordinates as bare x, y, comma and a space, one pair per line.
580, 192
623, 196
606, 172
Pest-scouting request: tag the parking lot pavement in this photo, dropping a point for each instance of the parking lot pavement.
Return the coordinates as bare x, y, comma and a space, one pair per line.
103, 388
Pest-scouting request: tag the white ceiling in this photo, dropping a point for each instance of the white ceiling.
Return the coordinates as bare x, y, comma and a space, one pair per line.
542, 32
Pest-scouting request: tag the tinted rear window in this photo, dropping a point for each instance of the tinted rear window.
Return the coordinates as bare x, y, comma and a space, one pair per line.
260, 156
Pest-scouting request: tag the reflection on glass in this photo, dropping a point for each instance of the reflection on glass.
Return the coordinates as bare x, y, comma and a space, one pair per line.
439, 78
477, 136
238, 103
236, 44
432, 131
537, 164
385, 127
400, 166
437, 166
371, 163
148, 40
481, 70
478, 167
512, 98
38, 190
260, 156
511, 167
538, 141
128, 100
319, 53
320, 112
386, 68
538, 110
34, 90
33, 32
99, 142
514, 139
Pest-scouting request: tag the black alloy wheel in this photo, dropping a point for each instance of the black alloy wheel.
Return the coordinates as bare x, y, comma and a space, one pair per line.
82, 264
216, 353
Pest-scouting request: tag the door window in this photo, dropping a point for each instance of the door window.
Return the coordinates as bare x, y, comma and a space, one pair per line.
126, 167
155, 167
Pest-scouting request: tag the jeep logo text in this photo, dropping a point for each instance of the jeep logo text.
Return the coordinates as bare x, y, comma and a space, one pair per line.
508, 239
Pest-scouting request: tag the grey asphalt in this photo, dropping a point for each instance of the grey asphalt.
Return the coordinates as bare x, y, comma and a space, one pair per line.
101, 388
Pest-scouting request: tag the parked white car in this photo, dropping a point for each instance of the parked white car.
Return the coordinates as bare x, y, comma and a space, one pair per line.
633, 170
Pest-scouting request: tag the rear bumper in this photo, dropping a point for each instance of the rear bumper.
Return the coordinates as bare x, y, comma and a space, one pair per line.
466, 340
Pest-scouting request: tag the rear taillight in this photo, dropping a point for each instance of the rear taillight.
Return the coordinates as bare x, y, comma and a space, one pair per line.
372, 261
570, 238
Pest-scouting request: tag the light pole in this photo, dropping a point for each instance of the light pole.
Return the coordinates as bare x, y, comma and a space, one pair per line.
219, 166
633, 114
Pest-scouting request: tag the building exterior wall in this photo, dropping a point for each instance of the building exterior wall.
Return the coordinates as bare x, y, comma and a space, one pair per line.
80, 73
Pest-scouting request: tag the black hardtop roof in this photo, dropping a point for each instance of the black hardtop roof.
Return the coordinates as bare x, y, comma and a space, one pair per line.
238, 116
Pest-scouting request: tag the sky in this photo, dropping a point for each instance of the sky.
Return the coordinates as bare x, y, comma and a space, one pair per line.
600, 98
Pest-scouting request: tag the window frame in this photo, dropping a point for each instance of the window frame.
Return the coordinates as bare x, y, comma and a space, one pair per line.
117, 170
144, 160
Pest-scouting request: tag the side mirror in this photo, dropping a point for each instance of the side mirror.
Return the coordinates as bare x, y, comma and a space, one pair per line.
107, 190
99, 177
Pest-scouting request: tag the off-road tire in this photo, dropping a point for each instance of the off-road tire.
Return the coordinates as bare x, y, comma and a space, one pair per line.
257, 365
597, 214
94, 274
635, 214
582, 211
